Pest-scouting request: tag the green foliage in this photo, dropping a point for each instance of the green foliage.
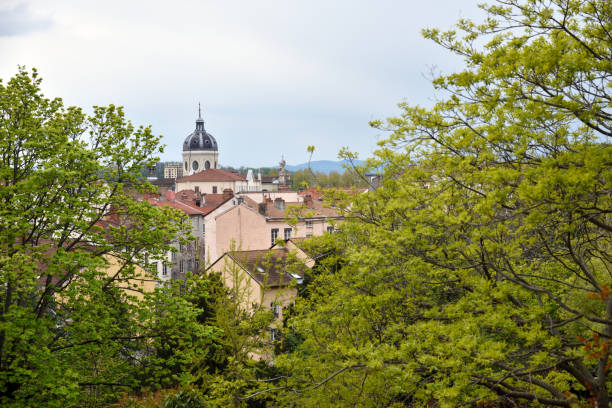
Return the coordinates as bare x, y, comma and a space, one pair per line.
302, 179
244, 340
77, 326
185, 398
479, 271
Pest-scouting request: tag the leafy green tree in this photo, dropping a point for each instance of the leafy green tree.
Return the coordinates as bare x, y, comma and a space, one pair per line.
76, 326
243, 373
480, 270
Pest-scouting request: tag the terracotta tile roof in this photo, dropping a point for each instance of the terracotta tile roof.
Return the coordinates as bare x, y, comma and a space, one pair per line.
214, 201
211, 201
185, 195
250, 202
317, 193
213, 175
189, 209
271, 267
314, 210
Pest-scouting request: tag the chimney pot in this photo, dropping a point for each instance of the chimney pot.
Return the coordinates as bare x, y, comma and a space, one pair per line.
308, 200
227, 194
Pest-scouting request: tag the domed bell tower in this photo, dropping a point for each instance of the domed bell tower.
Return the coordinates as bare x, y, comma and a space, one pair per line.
200, 149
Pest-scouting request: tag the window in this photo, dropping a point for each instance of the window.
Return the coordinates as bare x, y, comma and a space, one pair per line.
164, 270
274, 235
207, 165
287, 233
195, 165
181, 266
214, 188
330, 229
189, 266
276, 309
154, 267
173, 256
308, 224
181, 247
275, 335
308, 235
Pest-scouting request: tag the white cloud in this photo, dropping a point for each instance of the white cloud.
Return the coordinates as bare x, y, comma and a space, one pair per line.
273, 76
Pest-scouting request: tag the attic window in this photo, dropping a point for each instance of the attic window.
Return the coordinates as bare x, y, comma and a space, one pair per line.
297, 277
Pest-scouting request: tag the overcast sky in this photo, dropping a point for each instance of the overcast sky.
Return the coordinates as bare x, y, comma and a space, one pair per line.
273, 76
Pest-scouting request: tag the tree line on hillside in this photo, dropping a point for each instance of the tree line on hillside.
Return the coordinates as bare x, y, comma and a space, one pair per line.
306, 178
478, 273
303, 179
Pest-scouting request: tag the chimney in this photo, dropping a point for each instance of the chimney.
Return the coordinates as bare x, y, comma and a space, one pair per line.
308, 200
227, 194
198, 196
279, 203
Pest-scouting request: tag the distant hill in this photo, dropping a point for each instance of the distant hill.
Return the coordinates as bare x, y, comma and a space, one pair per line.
323, 166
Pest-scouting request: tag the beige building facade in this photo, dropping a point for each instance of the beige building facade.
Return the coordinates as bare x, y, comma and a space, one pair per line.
173, 170
214, 181
265, 279
254, 226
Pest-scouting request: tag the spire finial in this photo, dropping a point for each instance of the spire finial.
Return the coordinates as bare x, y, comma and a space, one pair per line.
199, 111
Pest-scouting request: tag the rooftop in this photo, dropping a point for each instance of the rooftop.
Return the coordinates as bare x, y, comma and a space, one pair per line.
270, 267
213, 175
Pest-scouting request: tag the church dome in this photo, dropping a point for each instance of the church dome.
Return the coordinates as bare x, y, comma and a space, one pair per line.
200, 139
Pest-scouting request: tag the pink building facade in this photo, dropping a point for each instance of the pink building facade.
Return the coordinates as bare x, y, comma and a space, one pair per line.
253, 226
